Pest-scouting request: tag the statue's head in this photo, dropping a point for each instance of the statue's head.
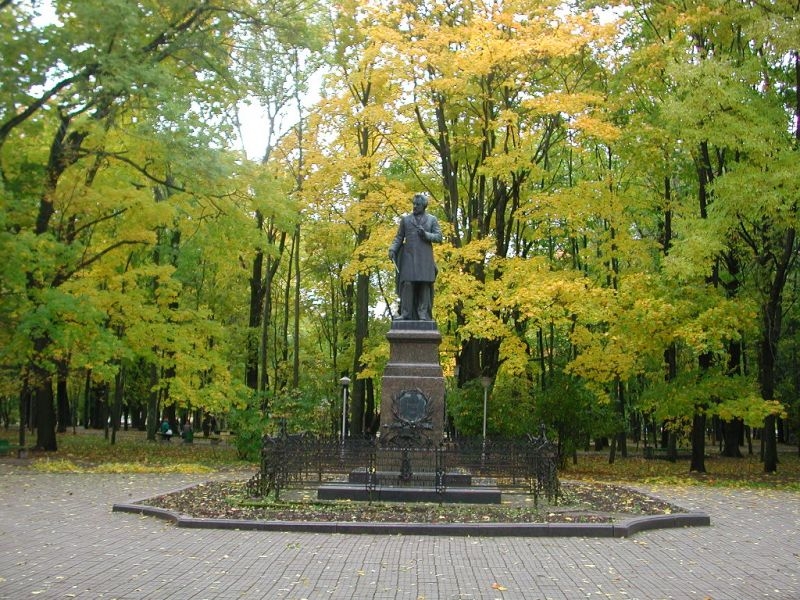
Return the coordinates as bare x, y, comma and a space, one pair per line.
420, 203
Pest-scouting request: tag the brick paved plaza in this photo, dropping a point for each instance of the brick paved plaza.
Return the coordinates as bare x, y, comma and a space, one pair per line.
59, 539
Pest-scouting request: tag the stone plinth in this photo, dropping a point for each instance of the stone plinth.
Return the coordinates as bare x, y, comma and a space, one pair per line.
413, 387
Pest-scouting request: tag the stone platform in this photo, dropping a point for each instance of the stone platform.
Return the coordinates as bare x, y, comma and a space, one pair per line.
359, 476
464, 495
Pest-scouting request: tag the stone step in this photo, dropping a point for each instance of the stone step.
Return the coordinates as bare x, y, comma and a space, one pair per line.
427, 478
465, 495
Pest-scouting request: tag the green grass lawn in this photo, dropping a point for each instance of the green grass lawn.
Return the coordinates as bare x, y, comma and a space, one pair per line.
731, 472
89, 451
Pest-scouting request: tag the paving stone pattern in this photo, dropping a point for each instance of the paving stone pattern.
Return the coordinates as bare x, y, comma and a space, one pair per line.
59, 539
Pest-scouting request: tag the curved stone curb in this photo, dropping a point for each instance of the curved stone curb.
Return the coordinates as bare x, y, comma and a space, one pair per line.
622, 529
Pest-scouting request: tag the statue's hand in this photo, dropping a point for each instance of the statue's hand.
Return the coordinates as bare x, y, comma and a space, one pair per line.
391, 255
422, 233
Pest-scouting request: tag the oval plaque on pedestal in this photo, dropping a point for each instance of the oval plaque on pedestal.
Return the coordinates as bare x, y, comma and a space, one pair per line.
411, 406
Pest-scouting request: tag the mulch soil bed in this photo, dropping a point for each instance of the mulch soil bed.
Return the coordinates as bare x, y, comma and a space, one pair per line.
579, 502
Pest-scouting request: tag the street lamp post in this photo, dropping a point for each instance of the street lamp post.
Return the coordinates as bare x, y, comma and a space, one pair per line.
485, 382
345, 383
446, 419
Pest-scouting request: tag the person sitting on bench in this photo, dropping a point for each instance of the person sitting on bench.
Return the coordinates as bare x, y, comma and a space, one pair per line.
165, 432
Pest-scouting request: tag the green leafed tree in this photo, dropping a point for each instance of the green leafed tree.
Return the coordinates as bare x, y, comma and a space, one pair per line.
112, 115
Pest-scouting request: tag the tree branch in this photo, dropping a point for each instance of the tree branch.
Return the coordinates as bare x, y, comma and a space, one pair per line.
112, 215
143, 170
66, 275
22, 116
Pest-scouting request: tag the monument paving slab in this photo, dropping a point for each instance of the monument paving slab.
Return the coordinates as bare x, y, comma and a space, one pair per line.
59, 539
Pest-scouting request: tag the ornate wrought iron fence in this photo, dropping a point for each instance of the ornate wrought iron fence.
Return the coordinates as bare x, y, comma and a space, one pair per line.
289, 461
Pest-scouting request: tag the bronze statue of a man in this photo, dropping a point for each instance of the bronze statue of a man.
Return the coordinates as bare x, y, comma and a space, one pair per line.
412, 253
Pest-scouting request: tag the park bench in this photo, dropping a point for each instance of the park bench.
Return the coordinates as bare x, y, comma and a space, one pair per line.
652, 453
6, 447
219, 436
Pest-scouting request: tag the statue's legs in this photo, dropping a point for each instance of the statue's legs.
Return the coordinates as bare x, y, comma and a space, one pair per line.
407, 300
415, 300
422, 297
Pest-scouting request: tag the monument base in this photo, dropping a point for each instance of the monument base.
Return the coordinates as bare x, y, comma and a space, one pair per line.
408, 467
413, 387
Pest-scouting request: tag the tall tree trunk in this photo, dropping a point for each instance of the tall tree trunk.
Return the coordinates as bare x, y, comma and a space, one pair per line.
371, 418
698, 434
63, 153
612, 453
732, 433
266, 315
705, 176
24, 402
296, 330
263, 339
255, 313
772, 313
543, 383
478, 358
622, 436
287, 313
152, 405
671, 353
698, 462
299, 185
733, 430
672, 446
45, 413
358, 396
87, 399
116, 406
44, 405
62, 398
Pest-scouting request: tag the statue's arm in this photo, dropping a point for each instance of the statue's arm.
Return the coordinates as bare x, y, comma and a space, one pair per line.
398, 239
435, 234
